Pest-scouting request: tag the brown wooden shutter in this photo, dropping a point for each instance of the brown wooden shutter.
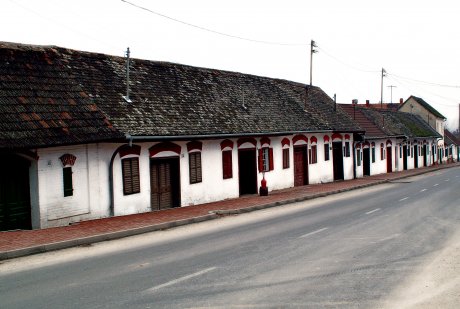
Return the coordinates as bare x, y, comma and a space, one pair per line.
261, 161
227, 164
131, 178
270, 159
195, 167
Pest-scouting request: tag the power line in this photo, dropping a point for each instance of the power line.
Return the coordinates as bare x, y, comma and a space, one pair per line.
425, 82
346, 64
211, 30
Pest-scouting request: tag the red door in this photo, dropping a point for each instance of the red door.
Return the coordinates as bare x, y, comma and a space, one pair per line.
300, 166
389, 159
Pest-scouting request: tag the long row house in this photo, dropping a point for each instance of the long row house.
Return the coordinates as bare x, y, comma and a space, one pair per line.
86, 136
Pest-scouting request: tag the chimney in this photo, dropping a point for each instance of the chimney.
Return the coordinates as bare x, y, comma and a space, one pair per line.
401, 100
354, 101
126, 98
367, 103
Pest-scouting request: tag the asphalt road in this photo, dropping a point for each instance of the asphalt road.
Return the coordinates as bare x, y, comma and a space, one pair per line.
351, 250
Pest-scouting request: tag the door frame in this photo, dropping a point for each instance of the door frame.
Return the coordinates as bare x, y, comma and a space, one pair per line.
304, 150
338, 171
175, 182
253, 188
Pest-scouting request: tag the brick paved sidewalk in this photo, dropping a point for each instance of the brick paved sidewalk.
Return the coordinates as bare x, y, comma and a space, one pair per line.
20, 243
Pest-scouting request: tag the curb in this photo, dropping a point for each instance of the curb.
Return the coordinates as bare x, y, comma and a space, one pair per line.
101, 237
213, 214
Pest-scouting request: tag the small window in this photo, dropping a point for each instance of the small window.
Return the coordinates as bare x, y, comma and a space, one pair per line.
373, 154
195, 167
313, 154
131, 179
382, 155
400, 152
265, 159
358, 157
227, 164
326, 152
286, 158
347, 149
67, 178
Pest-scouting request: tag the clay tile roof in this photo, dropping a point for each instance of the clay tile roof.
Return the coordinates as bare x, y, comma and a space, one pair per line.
55, 96
35, 102
365, 122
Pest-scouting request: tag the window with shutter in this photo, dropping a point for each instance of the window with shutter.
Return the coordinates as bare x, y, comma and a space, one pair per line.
326, 152
195, 167
313, 154
347, 149
227, 164
266, 159
131, 178
373, 154
67, 178
286, 158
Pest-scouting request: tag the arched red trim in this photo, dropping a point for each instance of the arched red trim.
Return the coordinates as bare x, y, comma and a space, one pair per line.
226, 143
366, 144
250, 140
126, 150
299, 137
424, 142
358, 146
347, 136
313, 139
285, 141
373, 144
194, 145
165, 146
389, 142
381, 145
336, 136
326, 139
264, 140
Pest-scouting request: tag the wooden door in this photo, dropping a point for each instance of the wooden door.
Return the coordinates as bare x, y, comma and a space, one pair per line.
366, 162
164, 183
300, 166
337, 154
247, 171
15, 211
389, 159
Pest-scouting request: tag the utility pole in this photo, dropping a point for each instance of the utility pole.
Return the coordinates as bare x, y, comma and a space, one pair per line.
312, 51
391, 92
381, 88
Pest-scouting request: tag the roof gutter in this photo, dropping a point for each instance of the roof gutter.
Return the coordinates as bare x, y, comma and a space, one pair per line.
229, 135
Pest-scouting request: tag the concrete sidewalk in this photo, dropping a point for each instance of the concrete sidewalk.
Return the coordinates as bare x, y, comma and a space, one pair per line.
21, 243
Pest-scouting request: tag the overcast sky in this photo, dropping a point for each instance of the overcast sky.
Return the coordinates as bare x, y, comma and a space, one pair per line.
417, 42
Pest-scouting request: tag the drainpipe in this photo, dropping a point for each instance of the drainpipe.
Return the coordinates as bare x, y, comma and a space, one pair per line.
112, 199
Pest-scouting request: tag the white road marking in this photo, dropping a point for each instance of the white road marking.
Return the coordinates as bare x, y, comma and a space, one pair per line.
447, 179
423, 190
313, 233
436, 184
372, 211
172, 282
405, 198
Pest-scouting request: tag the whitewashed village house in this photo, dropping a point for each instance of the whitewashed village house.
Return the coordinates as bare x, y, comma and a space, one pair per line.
75, 145
418, 106
452, 147
394, 141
